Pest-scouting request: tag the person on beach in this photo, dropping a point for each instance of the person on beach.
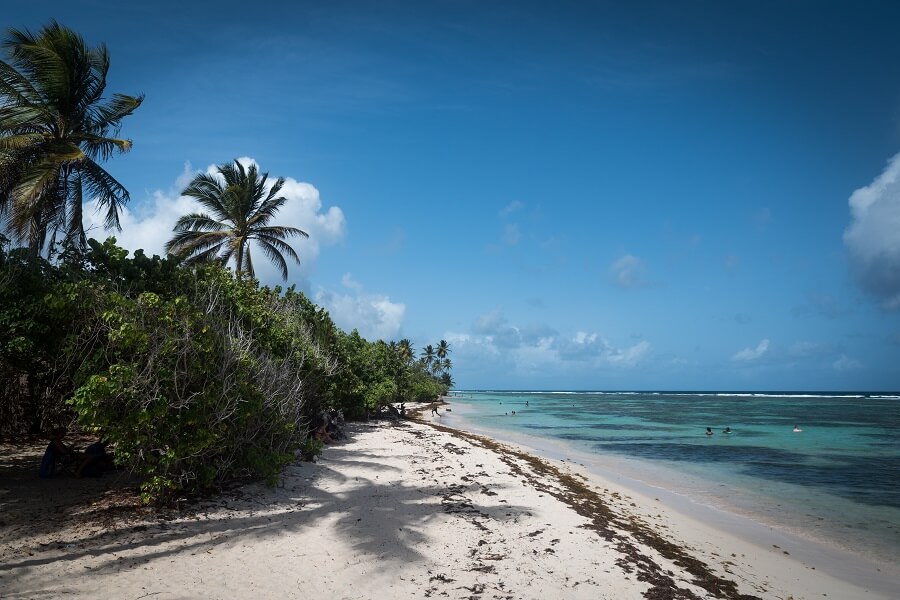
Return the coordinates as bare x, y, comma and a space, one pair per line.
57, 455
709, 431
797, 429
434, 411
94, 460
321, 432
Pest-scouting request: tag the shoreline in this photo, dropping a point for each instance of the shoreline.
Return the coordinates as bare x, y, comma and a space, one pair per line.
405, 509
809, 552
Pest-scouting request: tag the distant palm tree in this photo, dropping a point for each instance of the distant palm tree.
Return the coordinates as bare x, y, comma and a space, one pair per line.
428, 355
54, 127
241, 207
406, 351
446, 365
443, 349
436, 367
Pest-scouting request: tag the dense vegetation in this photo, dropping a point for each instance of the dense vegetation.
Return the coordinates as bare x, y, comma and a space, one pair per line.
194, 373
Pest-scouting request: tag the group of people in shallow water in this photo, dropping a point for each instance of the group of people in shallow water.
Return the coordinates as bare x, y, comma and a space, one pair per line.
709, 430
727, 430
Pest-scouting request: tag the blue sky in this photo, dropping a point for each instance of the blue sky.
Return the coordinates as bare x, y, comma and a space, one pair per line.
693, 195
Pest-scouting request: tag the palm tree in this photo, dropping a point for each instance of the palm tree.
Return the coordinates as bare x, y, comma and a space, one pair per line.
446, 365
428, 355
406, 351
242, 205
443, 349
436, 367
54, 128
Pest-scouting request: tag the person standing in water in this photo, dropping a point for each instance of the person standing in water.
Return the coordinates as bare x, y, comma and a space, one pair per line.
709, 431
797, 429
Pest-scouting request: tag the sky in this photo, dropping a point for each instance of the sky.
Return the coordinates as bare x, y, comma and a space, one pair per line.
575, 195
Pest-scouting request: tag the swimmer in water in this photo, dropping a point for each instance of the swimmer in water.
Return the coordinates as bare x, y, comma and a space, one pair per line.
797, 429
726, 430
709, 431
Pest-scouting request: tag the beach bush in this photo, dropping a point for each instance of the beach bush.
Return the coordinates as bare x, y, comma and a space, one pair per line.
32, 333
196, 389
195, 376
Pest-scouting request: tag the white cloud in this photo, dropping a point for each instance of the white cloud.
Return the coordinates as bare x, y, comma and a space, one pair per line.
375, 316
873, 236
540, 346
150, 226
584, 338
627, 357
807, 349
845, 363
628, 272
511, 234
510, 208
348, 282
751, 354
147, 227
494, 326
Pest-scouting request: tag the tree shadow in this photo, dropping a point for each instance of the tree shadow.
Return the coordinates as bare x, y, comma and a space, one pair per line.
385, 518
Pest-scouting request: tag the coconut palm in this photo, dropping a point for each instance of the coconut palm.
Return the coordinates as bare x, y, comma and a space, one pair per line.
54, 128
446, 365
406, 351
437, 367
428, 355
443, 349
241, 205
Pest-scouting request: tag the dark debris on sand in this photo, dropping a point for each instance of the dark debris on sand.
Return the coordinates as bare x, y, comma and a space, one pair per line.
621, 531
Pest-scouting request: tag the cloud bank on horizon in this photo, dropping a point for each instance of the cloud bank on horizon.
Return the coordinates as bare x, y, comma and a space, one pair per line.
873, 236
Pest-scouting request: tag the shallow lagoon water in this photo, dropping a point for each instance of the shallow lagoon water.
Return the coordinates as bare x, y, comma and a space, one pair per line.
836, 481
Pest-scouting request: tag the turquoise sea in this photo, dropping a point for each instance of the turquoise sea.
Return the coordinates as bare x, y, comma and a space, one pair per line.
837, 481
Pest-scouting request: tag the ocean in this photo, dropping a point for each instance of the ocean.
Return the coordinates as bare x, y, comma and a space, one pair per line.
837, 481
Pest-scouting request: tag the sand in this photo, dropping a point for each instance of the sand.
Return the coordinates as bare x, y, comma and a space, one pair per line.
397, 510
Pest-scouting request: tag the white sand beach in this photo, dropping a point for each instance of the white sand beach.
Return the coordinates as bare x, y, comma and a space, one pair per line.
397, 510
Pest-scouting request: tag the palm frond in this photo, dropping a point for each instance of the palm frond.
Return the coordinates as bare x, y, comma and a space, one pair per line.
198, 222
211, 254
110, 194
190, 242
31, 192
20, 141
102, 148
273, 254
280, 245
109, 116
